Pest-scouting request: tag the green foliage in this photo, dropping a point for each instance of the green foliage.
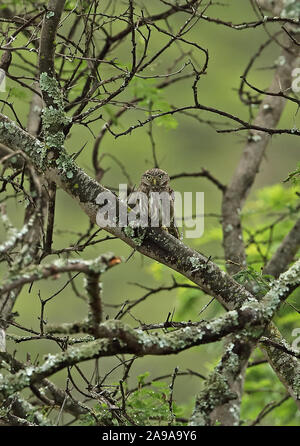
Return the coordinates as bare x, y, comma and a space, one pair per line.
260, 213
146, 406
149, 406
141, 378
102, 413
272, 213
87, 420
276, 197
261, 282
153, 99
294, 176
70, 4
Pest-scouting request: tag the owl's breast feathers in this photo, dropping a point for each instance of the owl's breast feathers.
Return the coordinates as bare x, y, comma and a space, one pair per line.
160, 211
157, 206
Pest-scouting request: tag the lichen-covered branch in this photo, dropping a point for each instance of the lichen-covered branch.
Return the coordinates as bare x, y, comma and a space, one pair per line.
223, 386
93, 288
234, 196
95, 266
286, 366
224, 383
117, 337
72, 68
156, 244
53, 115
47, 392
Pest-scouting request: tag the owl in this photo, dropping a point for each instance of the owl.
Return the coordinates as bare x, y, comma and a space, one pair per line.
155, 184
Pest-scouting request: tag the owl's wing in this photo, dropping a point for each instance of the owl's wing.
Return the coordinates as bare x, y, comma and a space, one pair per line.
173, 230
172, 194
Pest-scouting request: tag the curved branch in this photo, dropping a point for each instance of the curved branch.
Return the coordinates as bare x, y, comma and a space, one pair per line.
156, 244
117, 337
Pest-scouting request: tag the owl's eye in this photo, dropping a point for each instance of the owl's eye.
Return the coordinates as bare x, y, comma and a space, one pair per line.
160, 176
148, 177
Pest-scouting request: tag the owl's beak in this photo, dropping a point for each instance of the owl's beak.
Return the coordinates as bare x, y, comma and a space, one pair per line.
154, 181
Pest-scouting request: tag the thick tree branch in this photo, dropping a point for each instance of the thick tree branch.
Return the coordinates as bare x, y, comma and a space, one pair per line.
243, 178
48, 35
117, 337
233, 199
223, 391
156, 243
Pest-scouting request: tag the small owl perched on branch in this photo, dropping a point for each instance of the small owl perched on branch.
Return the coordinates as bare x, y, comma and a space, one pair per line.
157, 180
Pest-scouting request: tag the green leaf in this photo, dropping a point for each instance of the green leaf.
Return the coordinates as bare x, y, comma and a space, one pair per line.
153, 99
141, 378
294, 176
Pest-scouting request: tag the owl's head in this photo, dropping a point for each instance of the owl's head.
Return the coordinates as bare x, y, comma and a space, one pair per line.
155, 179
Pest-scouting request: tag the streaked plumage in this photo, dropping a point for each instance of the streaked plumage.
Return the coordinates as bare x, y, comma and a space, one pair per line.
157, 180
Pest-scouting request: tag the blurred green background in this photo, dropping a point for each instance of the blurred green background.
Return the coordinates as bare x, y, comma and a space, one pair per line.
186, 148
